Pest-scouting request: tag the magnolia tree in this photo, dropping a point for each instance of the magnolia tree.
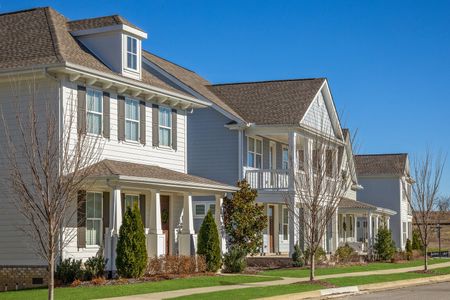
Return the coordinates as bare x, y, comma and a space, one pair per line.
49, 159
321, 178
423, 195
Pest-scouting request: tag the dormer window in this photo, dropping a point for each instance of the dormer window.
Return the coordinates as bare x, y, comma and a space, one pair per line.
132, 53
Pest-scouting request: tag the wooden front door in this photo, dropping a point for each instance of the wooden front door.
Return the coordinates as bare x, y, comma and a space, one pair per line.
271, 229
165, 220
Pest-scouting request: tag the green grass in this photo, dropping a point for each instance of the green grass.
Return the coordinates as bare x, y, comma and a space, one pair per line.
253, 293
301, 273
95, 292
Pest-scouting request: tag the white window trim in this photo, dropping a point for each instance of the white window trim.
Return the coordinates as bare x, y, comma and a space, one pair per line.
94, 112
285, 222
207, 206
165, 127
136, 54
138, 121
255, 138
95, 219
283, 148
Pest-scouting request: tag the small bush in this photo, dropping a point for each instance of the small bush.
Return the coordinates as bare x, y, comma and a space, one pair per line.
95, 267
384, 246
98, 281
208, 243
75, 283
234, 261
319, 257
409, 250
175, 265
345, 254
69, 270
297, 257
416, 241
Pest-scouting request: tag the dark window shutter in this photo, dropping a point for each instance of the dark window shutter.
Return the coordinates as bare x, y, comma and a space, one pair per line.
142, 122
122, 203
174, 129
155, 125
106, 112
121, 118
142, 207
81, 219
105, 211
81, 111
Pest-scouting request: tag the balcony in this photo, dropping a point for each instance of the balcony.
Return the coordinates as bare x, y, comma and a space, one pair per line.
268, 179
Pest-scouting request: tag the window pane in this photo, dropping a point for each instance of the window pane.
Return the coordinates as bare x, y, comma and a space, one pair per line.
258, 161
251, 144
165, 117
134, 46
90, 205
259, 146
129, 44
164, 136
132, 110
94, 123
251, 159
199, 209
98, 205
131, 130
212, 208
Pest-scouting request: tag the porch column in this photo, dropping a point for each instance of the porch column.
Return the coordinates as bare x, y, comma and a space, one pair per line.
187, 239
376, 225
293, 214
370, 235
355, 227
219, 222
156, 240
294, 224
115, 223
335, 231
388, 224
292, 140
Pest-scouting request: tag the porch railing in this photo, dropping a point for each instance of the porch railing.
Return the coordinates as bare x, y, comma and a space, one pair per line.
268, 179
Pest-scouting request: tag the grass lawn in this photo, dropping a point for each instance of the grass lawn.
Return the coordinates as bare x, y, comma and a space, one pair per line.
261, 292
96, 292
300, 273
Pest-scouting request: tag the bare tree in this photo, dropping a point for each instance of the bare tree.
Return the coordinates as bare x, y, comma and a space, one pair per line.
320, 182
423, 195
49, 160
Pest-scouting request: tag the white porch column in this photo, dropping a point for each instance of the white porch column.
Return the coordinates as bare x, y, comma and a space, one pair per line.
156, 241
376, 225
292, 140
187, 240
388, 223
370, 236
115, 223
355, 227
293, 210
276, 228
219, 222
335, 231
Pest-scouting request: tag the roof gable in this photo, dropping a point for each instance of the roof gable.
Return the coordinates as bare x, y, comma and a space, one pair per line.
381, 164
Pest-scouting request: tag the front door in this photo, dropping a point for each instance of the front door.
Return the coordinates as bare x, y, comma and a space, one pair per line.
271, 229
165, 220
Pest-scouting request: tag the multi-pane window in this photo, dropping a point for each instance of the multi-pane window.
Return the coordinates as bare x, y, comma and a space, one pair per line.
329, 162
131, 201
131, 120
201, 209
165, 126
94, 111
254, 153
94, 218
131, 53
285, 158
285, 224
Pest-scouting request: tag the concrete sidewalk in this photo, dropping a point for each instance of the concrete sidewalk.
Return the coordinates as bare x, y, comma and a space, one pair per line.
284, 281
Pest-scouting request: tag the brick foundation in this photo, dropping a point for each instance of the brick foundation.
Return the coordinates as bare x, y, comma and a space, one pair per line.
22, 277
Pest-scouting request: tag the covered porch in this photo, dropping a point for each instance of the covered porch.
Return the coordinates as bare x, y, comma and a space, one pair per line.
164, 198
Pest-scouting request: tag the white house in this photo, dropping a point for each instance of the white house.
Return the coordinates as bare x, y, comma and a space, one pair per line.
98, 66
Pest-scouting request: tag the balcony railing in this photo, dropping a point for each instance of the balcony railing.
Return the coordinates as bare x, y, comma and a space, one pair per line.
268, 179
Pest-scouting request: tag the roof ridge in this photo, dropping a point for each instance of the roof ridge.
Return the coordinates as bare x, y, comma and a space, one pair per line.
173, 63
23, 10
382, 154
52, 30
107, 16
268, 81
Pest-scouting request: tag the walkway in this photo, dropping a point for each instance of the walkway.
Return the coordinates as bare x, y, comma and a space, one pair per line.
186, 292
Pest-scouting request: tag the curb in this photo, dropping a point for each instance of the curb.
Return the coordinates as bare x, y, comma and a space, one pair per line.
367, 288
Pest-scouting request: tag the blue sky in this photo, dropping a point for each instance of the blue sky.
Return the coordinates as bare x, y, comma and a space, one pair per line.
388, 62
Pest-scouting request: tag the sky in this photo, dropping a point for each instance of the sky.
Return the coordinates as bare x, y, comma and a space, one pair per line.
387, 62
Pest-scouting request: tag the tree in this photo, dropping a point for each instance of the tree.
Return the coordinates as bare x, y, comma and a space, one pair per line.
208, 243
244, 219
384, 246
49, 160
408, 249
423, 195
131, 259
416, 242
314, 195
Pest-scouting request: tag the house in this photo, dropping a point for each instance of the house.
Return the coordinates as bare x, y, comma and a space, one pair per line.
98, 67
386, 178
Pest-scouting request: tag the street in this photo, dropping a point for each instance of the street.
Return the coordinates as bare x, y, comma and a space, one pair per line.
429, 292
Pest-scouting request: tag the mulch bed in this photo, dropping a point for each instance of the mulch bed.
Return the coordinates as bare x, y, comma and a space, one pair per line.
424, 272
325, 284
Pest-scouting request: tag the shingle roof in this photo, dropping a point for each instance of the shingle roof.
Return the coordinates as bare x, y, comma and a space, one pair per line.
279, 102
120, 168
381, 164
190, 79
348, 203
40, 36
99, 22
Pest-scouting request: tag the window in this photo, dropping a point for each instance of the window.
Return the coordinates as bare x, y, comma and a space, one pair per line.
131, 120
165, 126
201, 209
94, 218
301, 159
317, 163
329, 163
285, 224
254, 153
94, 111
285, 158
131, 53
131, 201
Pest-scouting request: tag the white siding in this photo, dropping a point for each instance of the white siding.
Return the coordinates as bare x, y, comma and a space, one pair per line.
16, 248
318, 116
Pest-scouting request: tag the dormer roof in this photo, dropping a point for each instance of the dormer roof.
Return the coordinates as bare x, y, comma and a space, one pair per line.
99, 22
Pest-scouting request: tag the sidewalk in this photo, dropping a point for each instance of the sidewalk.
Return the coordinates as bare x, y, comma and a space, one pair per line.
284, 281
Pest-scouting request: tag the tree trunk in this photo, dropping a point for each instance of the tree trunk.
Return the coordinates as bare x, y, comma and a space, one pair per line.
51, 277
425, 267
312, 268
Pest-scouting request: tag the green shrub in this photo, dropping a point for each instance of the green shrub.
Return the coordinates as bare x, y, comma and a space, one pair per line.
409, 250
384, 246
131, 258
208, 243
319, 257
297, 257
69, 270
345, 254
416, 241
95, 267
235, 260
